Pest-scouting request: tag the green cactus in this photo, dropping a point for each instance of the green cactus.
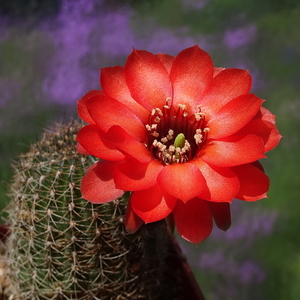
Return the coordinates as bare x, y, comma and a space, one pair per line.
63, 247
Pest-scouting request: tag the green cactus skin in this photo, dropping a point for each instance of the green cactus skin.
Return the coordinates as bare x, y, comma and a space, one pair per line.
63, 247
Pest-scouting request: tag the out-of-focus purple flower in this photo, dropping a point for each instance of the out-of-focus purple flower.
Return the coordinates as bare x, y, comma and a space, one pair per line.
87, 33
236, 38
250, 272
248, 225
115, 35
171, 41
217, 263
70, 34
236, 277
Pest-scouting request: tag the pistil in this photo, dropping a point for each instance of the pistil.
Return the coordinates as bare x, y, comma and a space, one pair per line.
179, 140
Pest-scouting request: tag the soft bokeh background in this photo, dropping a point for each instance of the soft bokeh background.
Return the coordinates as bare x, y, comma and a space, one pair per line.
50, 55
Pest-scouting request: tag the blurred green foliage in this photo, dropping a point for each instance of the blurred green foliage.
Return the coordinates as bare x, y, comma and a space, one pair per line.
23, 114
215, 15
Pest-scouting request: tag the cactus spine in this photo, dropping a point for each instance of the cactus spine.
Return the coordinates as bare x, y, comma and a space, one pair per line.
63, 247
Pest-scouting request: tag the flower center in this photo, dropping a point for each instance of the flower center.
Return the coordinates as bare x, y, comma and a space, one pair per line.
174, 136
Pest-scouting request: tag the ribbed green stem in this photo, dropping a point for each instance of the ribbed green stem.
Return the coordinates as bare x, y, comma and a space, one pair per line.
62, 246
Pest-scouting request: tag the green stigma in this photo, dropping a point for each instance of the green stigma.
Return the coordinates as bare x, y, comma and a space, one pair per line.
179, 141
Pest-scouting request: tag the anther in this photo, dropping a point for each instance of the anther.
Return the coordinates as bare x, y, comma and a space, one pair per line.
182, 106
199, 116
158, 110
157, 119
172, 148
169, 99
198, 136
170, 134
155, 134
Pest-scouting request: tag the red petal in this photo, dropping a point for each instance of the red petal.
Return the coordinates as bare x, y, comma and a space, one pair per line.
254, 183
183, 181
191, 72
90, 139
128, 144
81, 106
266, 115
107, 112
233, 151
153, 204
167, 60
114, 86
134, 176
266, 130
193, 220
132, 221
147, 79
222, 183
227, 85
271, 135
233, 116
97, 185
221, 214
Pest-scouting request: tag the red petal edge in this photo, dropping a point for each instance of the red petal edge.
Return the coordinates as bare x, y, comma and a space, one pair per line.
222, 183
81, 106
221, 214
190, 74
193, 220
183, 181
97, 185
90, 139
128, 144
153, 204
134, 176
254, 183
147, 79
132, 221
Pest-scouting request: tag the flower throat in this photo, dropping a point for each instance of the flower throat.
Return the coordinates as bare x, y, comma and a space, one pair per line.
174, 136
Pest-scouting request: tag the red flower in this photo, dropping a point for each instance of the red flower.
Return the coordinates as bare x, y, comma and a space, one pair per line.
184, 137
